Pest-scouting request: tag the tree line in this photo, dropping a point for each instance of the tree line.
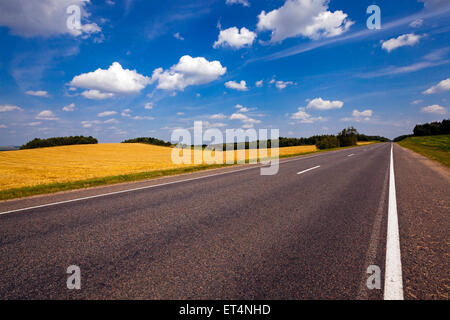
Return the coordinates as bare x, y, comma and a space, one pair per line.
149, 140
428, 129
58, 141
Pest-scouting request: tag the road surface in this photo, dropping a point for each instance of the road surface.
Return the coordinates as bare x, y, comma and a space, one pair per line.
309, 232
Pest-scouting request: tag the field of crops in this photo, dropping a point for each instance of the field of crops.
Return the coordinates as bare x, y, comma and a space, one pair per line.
33, 167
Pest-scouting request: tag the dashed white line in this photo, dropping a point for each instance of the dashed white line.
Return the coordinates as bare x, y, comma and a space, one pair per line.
308, 170
393, 283
351, 155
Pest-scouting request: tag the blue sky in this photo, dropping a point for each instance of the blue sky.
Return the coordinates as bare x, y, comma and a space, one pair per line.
143, 68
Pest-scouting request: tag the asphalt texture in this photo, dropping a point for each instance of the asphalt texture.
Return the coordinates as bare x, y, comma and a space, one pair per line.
234, 234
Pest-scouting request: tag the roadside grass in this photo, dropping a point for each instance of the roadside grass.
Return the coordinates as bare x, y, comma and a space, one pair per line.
47, 188
433, 147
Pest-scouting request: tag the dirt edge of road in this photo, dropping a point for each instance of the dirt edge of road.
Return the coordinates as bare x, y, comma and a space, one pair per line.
433, 165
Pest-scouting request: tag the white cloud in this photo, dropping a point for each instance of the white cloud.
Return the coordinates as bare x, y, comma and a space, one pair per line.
442, 86
259, 83
235, 38
96, 95
34, 124
245, 3
218, 116
2, 126
89, 124
240, 86
114, 80
111, 121
416, 23
69, 108
359, 116
6, 108
142, 118
44, 18
435, 109
247, 122
39, 93
148, 106
181, 114
303, 117
178, 36
106, 114
46, 115
283, 84
416, 101
409, 39
320, 104
188, 72
435, 4
126, 113
241, 108
307, 18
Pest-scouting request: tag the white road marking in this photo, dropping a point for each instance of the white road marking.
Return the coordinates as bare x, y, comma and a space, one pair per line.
308, 170
159, 185
393, 283
351, 155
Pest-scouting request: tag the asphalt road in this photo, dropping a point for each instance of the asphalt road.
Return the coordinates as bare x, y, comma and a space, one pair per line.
234, 234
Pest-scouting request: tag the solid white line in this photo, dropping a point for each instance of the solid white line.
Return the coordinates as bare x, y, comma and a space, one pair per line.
393, 283
159, 185
308, 170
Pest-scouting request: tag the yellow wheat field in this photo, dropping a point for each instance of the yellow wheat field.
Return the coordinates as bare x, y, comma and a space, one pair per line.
364, 143
72, 163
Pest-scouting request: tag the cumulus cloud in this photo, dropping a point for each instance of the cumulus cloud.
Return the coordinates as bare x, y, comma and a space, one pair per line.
114, 80
188, 72
45, 18
241, 108
106, 114
283, 84
126, 113
307, 18
69, 108
240, 86
359, 116
303, 117
7, 108
39, 93
142, 118
442, 86
148, 106
235, 38
245, 3
435, 109
409, 39
259, 83
416, 23
435, 4
89, 124
46, 115
218, 116
178, 36
320, 104
247, 122
96, 95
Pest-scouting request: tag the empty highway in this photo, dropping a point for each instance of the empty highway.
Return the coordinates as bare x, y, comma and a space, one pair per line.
309, 232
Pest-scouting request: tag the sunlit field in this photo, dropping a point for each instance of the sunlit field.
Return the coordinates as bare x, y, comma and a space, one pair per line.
79, 162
